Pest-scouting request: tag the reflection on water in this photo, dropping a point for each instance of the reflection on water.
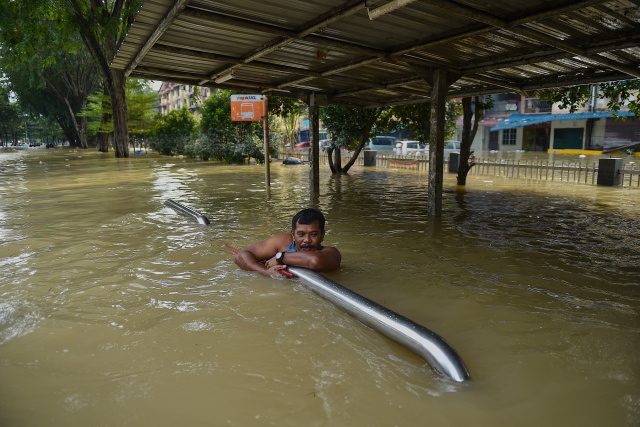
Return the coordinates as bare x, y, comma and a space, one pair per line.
114, 310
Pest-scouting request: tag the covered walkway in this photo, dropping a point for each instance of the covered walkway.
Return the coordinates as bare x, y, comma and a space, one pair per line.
380, 53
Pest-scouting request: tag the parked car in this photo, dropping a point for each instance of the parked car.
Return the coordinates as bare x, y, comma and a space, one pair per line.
451, 147
303, 144
381, 143
324, 144
411, 147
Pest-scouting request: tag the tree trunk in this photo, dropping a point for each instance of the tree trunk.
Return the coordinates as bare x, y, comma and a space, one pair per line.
69, 131
103, 50
338, 159
84, 140
79, 129
468, 134
102, 138
329, 156
120, 120
363, 140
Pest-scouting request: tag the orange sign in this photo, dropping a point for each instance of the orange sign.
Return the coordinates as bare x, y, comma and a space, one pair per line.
247, 107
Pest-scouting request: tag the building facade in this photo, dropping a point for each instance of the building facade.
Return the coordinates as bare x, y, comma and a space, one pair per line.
524, 123
175, 96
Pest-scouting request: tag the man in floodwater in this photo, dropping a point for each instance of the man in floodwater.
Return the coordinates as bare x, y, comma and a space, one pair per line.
302, 248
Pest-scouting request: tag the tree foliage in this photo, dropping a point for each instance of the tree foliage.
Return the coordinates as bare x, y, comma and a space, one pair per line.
225, 140
174, 133
618, 95
141, 113
469, 111
351, 128
9, 115
103, 25
416, 118
50, 71
284, 117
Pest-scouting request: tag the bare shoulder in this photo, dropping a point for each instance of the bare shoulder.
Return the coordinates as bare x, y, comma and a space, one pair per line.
332, 257
267, 248
330, 250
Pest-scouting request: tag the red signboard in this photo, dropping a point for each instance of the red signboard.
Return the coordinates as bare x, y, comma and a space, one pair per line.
247, 107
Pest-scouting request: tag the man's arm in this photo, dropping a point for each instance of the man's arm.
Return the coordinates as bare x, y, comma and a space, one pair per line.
249, 258
325, 259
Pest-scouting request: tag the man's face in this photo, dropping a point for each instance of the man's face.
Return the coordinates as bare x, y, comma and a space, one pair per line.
308, 237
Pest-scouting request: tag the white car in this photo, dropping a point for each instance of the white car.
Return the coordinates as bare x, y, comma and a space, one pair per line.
451, 147
413, 148
324, 144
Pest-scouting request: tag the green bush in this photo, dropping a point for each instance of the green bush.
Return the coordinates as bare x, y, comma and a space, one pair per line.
223, 139
175, 133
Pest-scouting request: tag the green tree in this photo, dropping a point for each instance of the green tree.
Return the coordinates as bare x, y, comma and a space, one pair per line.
286, 115
103, 24
416, 118
351, 128
10, 121
140, 106
469, 132
225, 140
618, 94
173, 133
50, 71
141, 112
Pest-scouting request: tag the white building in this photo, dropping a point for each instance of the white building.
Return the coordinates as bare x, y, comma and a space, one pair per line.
175, 96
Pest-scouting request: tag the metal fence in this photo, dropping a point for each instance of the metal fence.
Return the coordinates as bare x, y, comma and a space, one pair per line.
576, 172
554, 171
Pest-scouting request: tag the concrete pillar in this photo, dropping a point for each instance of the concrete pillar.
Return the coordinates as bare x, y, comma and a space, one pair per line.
609, 171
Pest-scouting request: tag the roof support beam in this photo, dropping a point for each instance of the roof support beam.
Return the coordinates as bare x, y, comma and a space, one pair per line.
514, 27
439, 84
166, 22
314, 25
213, 17
255, 64
495, 82
550, 55
568, 47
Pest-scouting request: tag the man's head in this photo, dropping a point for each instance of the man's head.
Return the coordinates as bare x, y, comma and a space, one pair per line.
307, 229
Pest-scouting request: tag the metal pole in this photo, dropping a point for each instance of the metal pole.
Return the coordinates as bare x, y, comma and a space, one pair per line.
314, 150
411, 335
267, 164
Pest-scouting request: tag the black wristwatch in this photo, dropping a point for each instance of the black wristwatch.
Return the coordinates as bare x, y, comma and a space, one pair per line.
280, 257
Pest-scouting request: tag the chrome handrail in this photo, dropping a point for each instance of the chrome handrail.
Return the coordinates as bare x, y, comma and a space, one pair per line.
420, 340
179, 207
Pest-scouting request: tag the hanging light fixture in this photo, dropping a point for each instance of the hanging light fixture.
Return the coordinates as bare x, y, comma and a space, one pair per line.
386, 8
223, 78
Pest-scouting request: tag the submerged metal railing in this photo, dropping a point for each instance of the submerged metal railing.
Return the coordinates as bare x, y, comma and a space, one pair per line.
420, 340
442, 358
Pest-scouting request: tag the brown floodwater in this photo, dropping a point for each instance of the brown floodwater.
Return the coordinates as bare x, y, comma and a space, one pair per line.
116, 311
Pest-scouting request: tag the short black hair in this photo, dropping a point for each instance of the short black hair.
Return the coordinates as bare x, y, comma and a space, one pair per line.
308, 216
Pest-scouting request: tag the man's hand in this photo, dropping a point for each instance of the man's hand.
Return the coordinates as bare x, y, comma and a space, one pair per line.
275, 271
274, 267
271, 262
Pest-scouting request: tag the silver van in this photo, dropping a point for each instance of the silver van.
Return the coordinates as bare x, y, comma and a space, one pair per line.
381, 143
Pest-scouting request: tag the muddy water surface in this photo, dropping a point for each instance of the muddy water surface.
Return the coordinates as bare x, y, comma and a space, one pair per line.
114, 310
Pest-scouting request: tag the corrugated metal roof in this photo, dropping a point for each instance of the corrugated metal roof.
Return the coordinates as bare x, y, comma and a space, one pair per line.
292, 48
